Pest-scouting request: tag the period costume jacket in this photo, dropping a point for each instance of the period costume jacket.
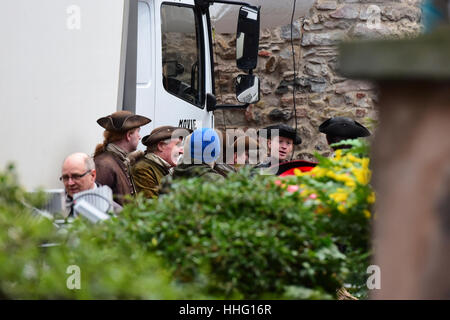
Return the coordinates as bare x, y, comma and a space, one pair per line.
111, 162
113, 170
147, 174
224, 169
196, 170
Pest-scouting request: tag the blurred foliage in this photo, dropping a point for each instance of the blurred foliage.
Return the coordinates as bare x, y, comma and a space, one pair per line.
250, 236
264, 236
338, 191
34, 257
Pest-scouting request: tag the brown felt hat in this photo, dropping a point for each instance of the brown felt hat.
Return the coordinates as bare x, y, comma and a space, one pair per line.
163, 133
122, 121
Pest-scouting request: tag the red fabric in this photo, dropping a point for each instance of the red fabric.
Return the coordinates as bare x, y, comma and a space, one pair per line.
290, 172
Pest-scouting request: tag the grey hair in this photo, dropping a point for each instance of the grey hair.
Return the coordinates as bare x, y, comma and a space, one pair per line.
89, 163
154, 147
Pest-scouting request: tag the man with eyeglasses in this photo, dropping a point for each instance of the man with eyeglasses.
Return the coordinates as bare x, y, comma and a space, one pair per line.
78, 174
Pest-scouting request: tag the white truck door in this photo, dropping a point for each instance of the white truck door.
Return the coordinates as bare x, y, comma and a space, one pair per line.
145, 73
60, 65
181, 68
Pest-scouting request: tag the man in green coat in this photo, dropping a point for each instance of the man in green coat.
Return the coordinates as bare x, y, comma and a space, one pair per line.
164, 147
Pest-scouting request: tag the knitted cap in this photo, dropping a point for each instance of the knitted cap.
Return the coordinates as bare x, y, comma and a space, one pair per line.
203, 145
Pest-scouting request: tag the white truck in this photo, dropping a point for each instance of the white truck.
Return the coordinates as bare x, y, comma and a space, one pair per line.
66, 63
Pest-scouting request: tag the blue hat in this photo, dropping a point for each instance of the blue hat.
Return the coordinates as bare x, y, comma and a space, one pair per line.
203, 145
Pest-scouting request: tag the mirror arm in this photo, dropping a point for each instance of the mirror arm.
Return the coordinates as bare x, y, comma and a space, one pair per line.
228, 106
204, 4
230, 2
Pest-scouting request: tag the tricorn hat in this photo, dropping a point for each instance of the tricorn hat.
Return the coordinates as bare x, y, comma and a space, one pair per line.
343, 127
163, 133
283, 131
122, 121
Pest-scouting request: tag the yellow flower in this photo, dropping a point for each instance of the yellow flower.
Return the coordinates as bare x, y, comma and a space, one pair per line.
298, 172
338, 154
350, 184
348, 165
342, 209
319, 172
367, 213
342, 177
352, 158
365, 163
371, 198
361, 175
339, 196
331, 174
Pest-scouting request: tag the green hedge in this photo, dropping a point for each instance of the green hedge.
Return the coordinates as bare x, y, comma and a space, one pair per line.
256, 236
250, 236
109, 268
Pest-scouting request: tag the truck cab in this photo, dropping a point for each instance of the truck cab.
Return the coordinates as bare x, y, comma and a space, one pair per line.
175, 67
65, 64
174, 64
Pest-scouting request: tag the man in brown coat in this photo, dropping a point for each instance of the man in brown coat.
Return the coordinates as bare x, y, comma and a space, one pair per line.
164, 147
111, 158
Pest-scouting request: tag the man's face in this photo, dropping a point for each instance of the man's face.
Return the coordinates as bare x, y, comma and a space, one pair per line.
171, 151
284, 145
241, 158
72, 171
134, 139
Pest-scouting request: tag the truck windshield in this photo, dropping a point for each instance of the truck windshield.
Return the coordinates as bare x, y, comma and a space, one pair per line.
181, 52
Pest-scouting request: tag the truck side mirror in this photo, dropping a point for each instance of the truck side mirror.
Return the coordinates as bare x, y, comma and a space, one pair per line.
211, 102
247, 88
247, 38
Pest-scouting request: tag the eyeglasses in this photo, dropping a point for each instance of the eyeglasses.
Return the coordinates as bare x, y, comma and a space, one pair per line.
74, 177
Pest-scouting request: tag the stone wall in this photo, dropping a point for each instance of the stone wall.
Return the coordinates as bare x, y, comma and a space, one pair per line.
320, 92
